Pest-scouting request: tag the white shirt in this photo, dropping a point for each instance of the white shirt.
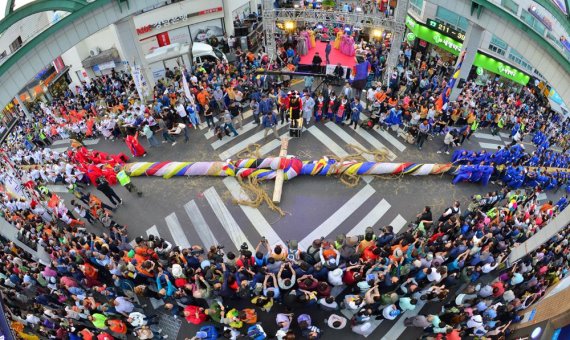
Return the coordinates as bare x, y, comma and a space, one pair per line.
181, 110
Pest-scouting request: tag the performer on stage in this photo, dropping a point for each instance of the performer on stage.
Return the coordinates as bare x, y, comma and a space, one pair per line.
337, 41
134, 146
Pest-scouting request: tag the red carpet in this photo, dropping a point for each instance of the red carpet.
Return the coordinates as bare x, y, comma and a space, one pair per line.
335, 56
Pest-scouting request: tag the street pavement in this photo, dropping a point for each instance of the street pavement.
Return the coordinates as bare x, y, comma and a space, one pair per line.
188, 211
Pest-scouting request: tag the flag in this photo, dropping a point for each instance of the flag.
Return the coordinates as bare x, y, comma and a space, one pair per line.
447, 91
138, 80
187, 88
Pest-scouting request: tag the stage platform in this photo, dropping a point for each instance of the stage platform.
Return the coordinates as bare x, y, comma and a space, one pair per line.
335, 57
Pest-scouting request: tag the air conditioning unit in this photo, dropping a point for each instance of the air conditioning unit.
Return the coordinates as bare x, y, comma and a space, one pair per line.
94, 51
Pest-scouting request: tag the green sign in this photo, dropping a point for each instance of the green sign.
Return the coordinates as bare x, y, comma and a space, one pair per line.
446, 43
411, 36
479, 71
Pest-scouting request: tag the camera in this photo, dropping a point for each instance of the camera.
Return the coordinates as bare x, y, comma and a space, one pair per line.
244, 247
263, 239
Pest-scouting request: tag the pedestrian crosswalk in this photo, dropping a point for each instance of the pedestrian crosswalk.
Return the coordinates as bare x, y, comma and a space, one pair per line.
65, 143
492, 142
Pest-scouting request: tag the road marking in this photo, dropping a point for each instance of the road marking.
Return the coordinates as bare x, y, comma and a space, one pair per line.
226, 139
339, 216
398, 223
267, 148
490, 145
204, 125
210, 133
375, 143
176, 231
202, 229
60, 150
253, 215
91, 141
57, 188
373, 322
398, 328
329, 143
505, 135
337, 130
371, 219
61, 141
486, 136
226, 219
391, 139
244, 143
152, 231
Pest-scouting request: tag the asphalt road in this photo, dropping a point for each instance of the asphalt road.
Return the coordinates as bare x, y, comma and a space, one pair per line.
189, 211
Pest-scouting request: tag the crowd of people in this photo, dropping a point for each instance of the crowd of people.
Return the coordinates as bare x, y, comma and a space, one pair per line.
94, 282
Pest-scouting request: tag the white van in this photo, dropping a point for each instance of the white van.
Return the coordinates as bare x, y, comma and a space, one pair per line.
202, 52
177, 54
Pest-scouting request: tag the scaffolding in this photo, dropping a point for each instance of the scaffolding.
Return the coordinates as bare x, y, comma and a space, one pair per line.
395, 24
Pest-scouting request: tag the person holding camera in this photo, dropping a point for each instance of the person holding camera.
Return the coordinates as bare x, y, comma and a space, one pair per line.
105, 188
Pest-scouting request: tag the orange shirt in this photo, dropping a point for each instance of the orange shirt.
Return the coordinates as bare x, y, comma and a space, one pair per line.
380, 96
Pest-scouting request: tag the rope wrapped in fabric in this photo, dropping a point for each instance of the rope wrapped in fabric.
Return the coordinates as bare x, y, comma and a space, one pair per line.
266, 168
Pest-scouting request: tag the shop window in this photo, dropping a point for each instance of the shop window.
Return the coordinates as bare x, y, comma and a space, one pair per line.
3, 55
416, 6
530, 20
499, 42
510, 5
16, 44
497, 49
451, 18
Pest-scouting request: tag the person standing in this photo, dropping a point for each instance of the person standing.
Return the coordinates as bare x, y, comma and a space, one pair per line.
105, 188
125, 180
147, 131
165, 134
356, 109
423, 131
448, 141
228, 123
308, 108
328, 50
209, 116
270, 123
317, 61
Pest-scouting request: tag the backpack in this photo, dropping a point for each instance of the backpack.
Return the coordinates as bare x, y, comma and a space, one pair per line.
311, 255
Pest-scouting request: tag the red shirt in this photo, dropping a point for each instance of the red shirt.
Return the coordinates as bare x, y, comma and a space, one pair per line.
368, 255
195, 316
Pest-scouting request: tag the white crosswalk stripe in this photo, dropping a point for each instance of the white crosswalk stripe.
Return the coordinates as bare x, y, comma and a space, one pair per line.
398, 328
371, 219
202, 229
61, 141
329, 143
226, 219
375, 143
274, 144
152, 231
490, 146
398, 223
505, 135
226, 139
391, 139
210, 133
373, 322
204, 124
244, 143
486, 136
339, 216
337, 130
253, 215
176, 231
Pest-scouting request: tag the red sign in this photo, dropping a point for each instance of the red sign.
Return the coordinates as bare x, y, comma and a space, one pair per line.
58, 64
163, 39
144, 29
211, 10
171, 21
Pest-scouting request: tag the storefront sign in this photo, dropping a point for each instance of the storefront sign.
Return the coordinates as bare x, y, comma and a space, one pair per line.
446, 29
163, 39
479, 71
411, 36
174, 20
532, 9
561, 5
446, 43
565, 43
